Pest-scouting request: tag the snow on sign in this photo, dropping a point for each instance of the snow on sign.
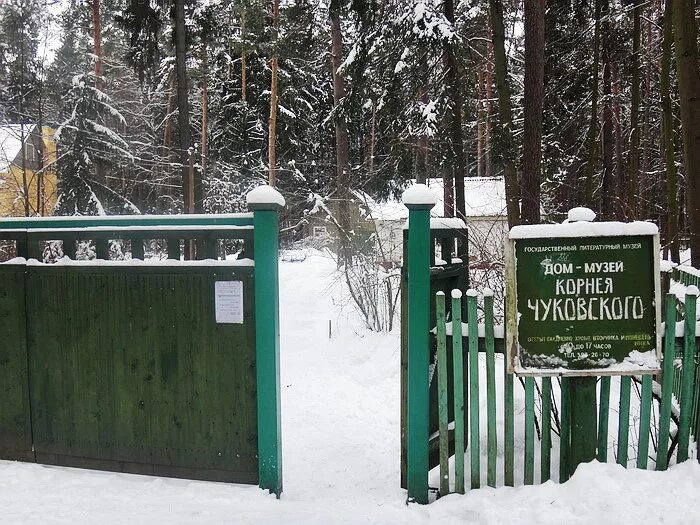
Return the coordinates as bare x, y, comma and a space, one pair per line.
228, 301
583, 299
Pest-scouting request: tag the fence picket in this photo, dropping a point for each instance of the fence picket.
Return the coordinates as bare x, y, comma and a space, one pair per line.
667, 388
565, 435
490, 388
688, 381
624, 420
644, 422
458, 373
444, 441
546, 443
474, 389
603, 417
529, 431
508, 429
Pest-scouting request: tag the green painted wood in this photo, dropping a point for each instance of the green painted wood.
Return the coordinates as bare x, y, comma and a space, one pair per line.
458, 373
688, 380
137, 251
130, 372
623, 420
490, 391
15, 424
474, 431
69, 247
508, 430
419, 254
603, 418
267, 336
174, 249
584, 435
442, 395
644, 422
102, 249
121, 221
21, 245
546, 443
529, 465
666, 384
565, 436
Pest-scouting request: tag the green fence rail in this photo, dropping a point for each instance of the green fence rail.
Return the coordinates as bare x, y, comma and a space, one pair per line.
125, 365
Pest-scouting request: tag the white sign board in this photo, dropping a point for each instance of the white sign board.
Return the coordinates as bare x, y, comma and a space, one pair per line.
228, 301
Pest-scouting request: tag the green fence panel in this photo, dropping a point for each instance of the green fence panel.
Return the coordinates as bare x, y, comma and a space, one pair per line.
15, 425
492, 439
644, 422
624, 420
546, 443
508, 429
130, 372
603, 417
474, 430
688, 381
529, 466
442, 395
458, 366
565, 436
667, 383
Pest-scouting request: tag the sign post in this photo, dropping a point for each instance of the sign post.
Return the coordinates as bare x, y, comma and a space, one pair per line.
583, 301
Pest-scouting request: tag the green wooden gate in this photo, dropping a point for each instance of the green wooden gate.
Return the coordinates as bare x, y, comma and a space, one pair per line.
122, 365
467, 370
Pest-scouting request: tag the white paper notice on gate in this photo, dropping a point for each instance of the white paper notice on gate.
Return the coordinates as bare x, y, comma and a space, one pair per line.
228, 300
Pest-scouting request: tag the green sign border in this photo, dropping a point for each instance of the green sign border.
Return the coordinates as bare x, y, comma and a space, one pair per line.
512, 343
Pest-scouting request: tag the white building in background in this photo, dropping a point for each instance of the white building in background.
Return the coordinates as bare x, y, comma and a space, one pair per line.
486, 218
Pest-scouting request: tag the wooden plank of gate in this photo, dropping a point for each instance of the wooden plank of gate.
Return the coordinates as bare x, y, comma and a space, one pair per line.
442, 394
688, 377
565, 431
666, 388
458, 372
529, 431
474, 389
644, 422
624, 420
603, 417
490, 388
546, 443
508, 428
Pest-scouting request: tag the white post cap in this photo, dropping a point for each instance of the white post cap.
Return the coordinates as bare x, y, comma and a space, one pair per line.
418, 196
582, 214
264, 197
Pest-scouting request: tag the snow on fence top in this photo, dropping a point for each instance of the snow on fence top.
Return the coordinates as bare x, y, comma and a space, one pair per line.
418, 194
265, 195
666, 266
151, 220
583, 229
65, 261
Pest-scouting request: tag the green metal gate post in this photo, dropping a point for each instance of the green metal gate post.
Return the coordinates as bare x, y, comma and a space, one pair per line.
419, 201
266, 202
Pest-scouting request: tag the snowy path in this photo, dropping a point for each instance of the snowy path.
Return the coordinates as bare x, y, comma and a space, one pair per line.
340, 401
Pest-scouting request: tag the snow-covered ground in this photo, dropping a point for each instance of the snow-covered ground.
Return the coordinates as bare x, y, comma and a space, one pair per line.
340, 412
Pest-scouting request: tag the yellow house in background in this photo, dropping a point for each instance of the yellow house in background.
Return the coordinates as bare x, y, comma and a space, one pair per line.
27, 170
